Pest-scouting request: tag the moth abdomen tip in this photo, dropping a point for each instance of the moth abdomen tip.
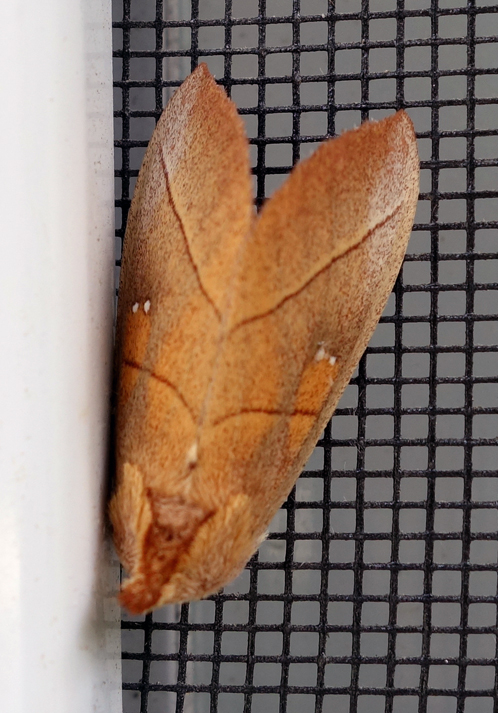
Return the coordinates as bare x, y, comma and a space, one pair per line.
137, 596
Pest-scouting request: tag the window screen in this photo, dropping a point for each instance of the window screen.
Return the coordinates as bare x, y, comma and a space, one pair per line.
376, 590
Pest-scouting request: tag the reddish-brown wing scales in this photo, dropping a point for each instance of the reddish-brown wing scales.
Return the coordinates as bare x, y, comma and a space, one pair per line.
237, 334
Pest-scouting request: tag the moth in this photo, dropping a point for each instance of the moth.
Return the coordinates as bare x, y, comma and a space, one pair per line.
237, 332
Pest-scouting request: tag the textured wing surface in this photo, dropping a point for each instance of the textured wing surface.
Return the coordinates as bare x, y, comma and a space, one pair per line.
236, 336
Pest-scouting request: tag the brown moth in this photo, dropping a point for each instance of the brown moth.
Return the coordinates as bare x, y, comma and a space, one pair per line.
237, 333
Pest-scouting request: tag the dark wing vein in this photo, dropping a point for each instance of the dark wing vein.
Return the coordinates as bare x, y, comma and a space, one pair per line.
270, 412
319, 272
163, 380
182, 228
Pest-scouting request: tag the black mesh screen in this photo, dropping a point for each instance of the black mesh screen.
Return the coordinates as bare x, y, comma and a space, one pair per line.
376, 590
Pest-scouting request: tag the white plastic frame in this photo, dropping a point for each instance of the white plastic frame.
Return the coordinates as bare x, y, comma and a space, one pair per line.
59, 630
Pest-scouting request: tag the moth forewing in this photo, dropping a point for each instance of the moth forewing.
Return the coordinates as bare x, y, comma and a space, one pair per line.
236, 335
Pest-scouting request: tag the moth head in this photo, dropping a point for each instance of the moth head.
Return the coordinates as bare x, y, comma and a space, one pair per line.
175, 550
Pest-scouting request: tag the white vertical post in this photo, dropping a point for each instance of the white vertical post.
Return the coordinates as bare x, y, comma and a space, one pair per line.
59, 630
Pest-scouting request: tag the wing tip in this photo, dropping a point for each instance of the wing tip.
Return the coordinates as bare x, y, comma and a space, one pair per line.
200, 74
393, 128
202, 80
